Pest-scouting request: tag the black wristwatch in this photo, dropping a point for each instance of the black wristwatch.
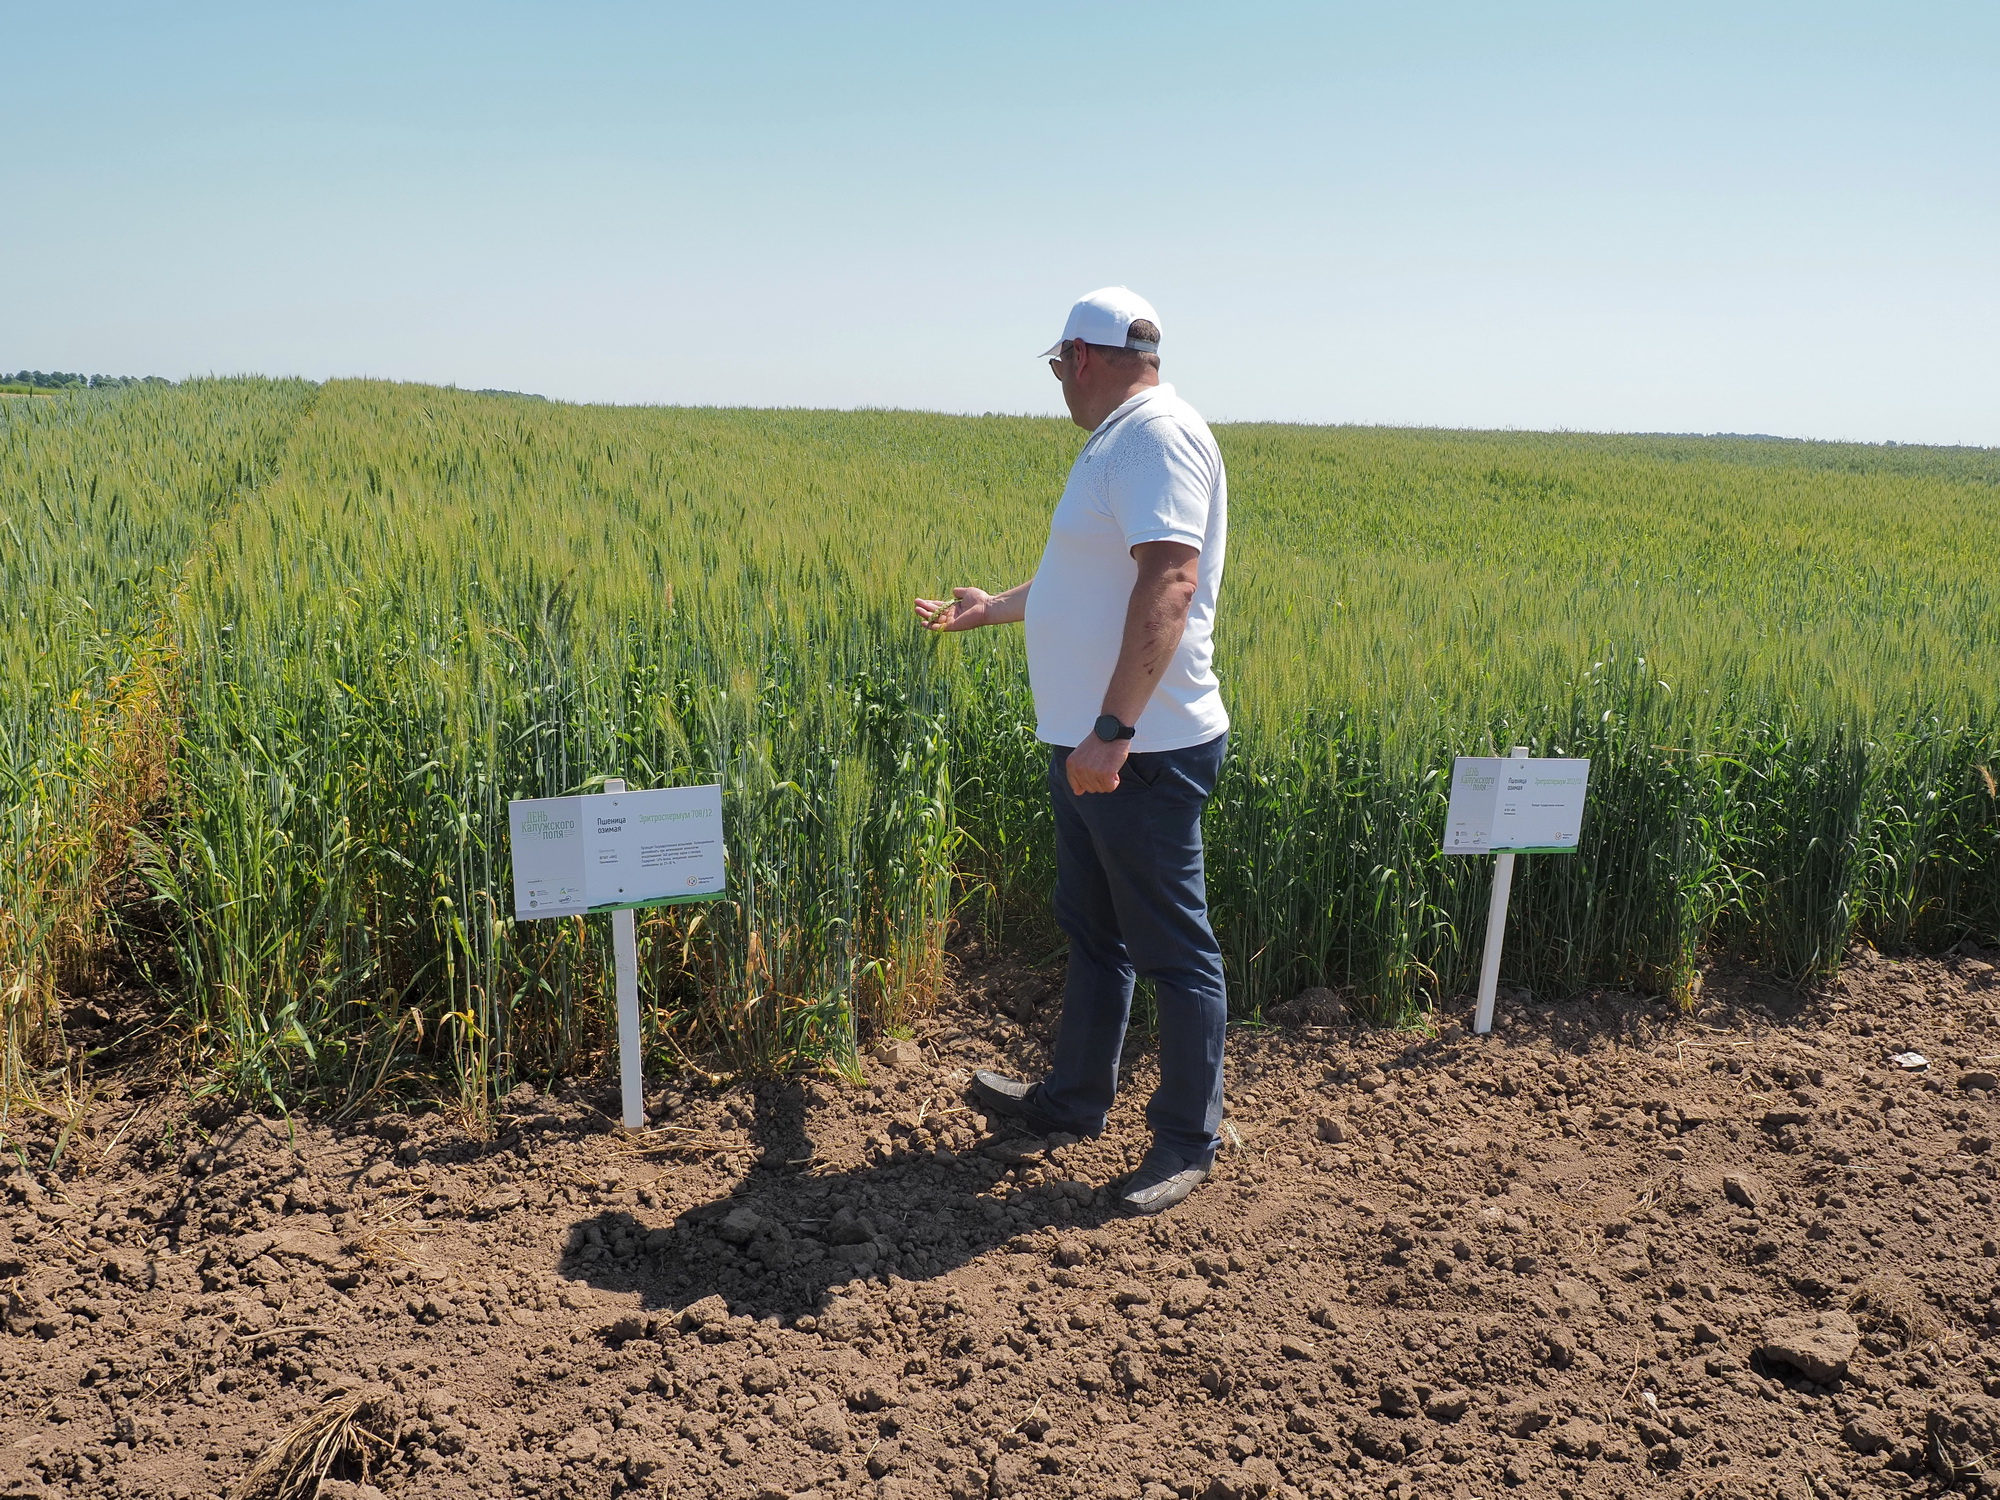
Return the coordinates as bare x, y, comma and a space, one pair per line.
1110, 730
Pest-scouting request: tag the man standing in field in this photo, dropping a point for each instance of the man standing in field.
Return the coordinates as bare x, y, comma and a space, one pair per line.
1119, 616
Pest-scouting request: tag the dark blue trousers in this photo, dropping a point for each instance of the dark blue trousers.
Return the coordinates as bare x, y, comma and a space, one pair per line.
1131, 896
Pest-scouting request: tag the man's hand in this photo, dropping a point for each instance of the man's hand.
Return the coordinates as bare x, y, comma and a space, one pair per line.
968, 609
964, 610
1154, 619
1093, 766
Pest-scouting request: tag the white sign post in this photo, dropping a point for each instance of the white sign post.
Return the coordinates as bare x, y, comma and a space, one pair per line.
612, 852
1508, 806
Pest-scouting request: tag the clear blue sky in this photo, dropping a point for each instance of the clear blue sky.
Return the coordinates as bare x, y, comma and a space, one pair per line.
1750, 216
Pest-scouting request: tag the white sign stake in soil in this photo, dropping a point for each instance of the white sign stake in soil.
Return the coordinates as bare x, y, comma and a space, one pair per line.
612, 852
1508, 806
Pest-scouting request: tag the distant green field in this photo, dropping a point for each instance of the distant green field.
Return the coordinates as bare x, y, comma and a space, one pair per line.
365, 615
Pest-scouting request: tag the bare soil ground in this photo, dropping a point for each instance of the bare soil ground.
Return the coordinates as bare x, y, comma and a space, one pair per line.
1606, 1251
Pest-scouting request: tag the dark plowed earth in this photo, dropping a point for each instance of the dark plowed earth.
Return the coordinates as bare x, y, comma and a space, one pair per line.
1603, 1252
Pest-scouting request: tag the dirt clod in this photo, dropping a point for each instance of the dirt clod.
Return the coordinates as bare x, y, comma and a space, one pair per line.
1448, 1406
1745, 1189
762, 1376
825, 1428
1819, 1345
898, 1053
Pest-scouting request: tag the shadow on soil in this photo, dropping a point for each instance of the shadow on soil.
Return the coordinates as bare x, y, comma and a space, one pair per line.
785, 1242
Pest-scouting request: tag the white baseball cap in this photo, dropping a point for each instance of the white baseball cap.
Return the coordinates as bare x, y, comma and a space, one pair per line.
1106, 317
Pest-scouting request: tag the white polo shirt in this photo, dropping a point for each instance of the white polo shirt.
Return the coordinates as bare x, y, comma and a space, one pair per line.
1150, 473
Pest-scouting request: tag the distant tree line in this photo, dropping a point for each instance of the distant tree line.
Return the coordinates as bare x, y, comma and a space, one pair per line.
66, 380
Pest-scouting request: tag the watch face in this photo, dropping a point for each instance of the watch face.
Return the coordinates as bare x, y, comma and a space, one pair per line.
1108, 727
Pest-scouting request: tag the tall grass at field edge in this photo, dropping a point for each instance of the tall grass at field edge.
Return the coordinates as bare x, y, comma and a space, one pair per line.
102, 496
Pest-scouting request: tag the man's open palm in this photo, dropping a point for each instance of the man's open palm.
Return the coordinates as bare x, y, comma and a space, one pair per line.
964, 610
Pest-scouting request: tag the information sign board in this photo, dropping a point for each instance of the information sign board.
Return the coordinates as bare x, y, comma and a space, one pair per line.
614, 850
1519, 805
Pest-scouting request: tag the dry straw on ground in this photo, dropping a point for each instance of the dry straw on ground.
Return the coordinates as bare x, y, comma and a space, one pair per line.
354, 1429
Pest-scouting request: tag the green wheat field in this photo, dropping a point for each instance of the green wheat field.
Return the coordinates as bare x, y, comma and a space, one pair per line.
277, 656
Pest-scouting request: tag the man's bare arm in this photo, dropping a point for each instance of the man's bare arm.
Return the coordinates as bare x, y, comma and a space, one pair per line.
1155, 618
968, 609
